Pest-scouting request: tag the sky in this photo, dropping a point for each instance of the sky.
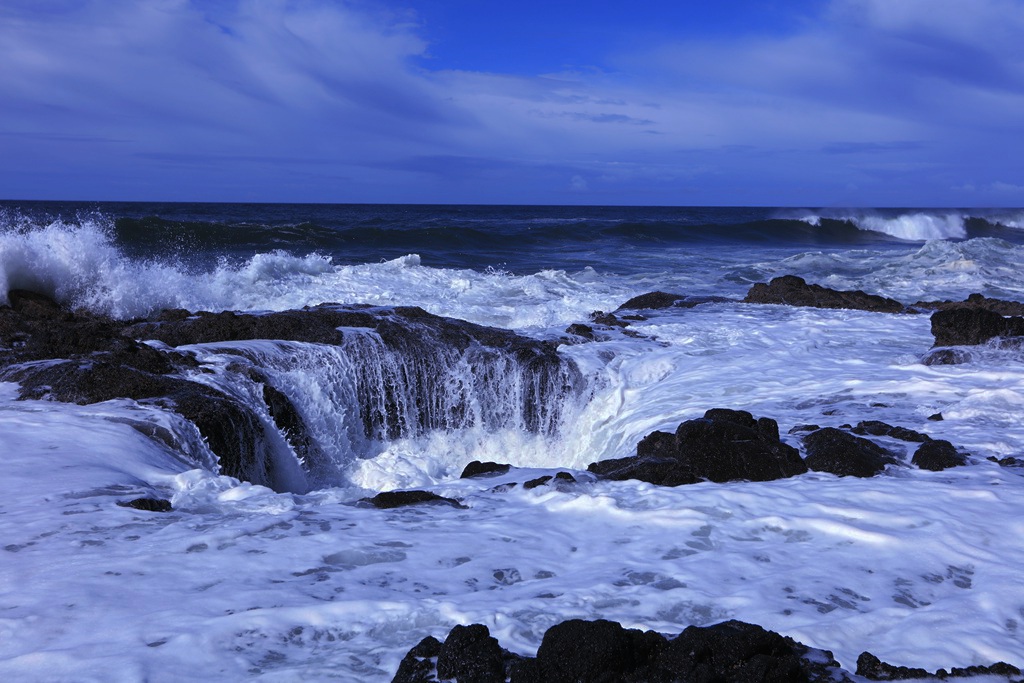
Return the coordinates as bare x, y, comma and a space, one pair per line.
811, 103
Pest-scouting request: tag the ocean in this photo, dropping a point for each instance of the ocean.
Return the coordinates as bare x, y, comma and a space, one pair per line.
296, 581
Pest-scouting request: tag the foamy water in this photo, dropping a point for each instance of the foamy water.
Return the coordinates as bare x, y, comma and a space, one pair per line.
243, 583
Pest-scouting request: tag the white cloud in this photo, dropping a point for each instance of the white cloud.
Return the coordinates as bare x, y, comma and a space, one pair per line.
913, 84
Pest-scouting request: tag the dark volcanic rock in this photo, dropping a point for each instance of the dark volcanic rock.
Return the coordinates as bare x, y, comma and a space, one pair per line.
938, 455
970, 326
395, 499
737, 651
468, 655
147, 504
601, 650
871, 667
876, 428
1000, 306
724, 445
581, 330
420, 664
483, 469
604, 652
841, 453
656, 300
794, 291
651, 300
404, 374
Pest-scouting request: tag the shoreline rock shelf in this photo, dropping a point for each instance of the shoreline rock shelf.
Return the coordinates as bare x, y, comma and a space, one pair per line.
578, 651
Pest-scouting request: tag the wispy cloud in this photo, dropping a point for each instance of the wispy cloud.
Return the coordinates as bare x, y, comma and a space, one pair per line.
856, 95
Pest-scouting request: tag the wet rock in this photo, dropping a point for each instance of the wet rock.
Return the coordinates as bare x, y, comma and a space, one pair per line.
581, 330
841, 453
955, 356
975, 301
607, 319
420, 664
469, 654
724, 445
604, 651
938, 455
561, 477
651, 300
872, 668
483, 469
737, 651
972, 326
35, 305
877, 428
601, 650
794, 291
396, 499
147, 504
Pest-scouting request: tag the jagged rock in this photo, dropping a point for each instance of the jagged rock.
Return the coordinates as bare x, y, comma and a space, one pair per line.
971, 326
651, 300
607, 319
541, 481
737, 651
604, 651
483, 469
581, 330
841, 453
657, 300
871, 667
1000, 306
877, 428
468, 655
724, 445
95, 358
395, 499
937, 455
601, 650
147, 504
794, 291
420, 664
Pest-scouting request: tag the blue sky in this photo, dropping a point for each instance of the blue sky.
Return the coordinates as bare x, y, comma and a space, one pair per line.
689, 102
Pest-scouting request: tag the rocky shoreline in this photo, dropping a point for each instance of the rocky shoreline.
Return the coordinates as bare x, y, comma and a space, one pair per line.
78, 357
578, 651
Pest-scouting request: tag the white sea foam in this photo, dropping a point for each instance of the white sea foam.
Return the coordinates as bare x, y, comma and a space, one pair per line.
242, 583
916, 227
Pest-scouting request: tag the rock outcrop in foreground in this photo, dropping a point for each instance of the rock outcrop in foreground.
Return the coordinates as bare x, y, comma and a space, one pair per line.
724, 445
795, 291
410, 372
578, 651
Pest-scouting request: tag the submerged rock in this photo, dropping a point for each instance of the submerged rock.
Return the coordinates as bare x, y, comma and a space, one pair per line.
794, 291
147, 504
877, 428
724, 445
651, 300
843, 454
395, 499
484, 469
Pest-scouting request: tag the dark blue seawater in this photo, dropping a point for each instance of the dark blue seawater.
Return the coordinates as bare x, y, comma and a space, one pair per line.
518, 239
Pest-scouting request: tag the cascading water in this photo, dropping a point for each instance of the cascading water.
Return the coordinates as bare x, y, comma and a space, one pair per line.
355, 397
